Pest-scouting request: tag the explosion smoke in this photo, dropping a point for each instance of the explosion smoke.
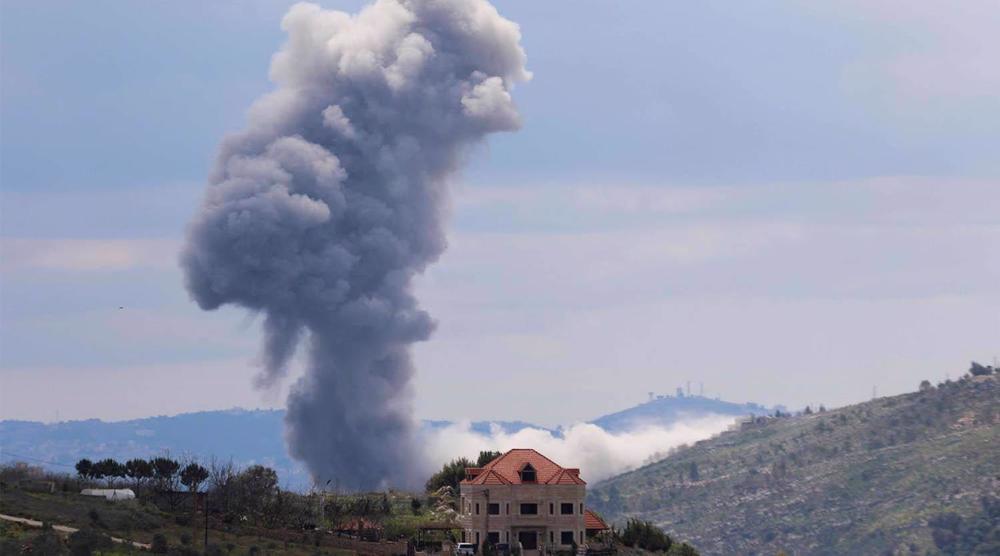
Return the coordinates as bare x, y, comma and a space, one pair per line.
321, 212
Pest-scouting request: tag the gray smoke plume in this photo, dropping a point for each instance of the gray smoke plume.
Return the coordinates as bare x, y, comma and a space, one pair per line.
321, 212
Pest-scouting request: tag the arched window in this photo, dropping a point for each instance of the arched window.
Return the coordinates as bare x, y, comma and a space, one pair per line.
528, 474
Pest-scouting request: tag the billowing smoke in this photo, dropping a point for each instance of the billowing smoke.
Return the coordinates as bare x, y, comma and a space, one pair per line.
598, 453
321, 212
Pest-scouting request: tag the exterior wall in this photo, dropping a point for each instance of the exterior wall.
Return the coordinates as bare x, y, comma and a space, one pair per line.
548, 525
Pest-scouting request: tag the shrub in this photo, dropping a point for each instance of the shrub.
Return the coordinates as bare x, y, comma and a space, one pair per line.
10, 546
159, 544
645, 535
86, 541
48, 542
185, 538
683, 549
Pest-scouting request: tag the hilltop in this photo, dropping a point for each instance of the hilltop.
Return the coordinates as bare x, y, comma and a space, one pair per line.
913, 473
666, 410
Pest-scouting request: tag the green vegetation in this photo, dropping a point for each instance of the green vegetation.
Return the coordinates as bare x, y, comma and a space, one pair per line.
16, 539
975, 534
645, 535
247, 512
871, 478
486, 457
450, 475
453, 472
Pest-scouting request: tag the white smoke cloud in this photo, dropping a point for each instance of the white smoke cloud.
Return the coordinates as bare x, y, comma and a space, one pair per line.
598, 453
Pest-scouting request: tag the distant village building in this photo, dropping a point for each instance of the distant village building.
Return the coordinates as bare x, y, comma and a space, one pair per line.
524, 497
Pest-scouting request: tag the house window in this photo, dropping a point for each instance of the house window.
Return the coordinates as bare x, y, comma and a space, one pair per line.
463, 535
477, 538
581, 509
581, 537
477, 508
566, 508
506, 536
493, 509
552, 508
508, 508
566, 537
493, 537
552, 537
527, 473
529, 509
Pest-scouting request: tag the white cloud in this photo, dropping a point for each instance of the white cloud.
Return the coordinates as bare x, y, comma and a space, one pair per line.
598, 453
884, 280
927, 63
777, 293
87, 255
597, 199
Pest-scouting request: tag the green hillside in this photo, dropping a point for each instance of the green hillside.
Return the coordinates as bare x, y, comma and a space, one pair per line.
911, 474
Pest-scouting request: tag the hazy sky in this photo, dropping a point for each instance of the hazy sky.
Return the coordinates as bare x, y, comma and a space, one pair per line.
789, 202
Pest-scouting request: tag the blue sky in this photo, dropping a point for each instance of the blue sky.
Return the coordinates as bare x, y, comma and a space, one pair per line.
791, 202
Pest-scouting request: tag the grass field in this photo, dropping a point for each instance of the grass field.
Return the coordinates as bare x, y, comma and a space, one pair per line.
140, 521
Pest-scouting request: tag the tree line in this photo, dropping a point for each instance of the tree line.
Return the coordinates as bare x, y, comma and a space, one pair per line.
162, 473
453, 472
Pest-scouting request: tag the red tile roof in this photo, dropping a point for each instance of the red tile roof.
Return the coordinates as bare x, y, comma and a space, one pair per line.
593, 522
505, 470
491, 477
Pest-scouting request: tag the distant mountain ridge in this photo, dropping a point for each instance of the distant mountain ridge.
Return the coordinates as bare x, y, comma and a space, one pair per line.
257, 436
910, 474
244, 436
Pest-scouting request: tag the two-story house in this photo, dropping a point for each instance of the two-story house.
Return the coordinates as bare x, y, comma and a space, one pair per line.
523, 497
